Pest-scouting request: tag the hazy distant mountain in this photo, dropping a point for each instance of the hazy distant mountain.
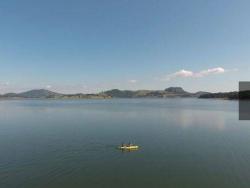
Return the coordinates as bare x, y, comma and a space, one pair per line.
37, 93
176, 90
169, 92
9, 95
46, 94
116, 93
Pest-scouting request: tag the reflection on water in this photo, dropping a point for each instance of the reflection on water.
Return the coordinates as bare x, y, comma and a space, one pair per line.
183, 143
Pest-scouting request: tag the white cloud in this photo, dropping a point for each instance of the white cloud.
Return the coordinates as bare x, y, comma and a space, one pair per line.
217, 70
132, 81
182, 73
190, 74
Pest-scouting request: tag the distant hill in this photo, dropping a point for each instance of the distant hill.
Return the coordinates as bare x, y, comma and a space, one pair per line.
116, 93
169, 92
9, 95
46, 94
37, 93
176, 90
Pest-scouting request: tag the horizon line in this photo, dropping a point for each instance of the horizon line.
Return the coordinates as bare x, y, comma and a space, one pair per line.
64, 93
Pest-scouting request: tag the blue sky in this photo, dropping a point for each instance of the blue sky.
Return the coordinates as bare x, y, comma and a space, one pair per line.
93, 45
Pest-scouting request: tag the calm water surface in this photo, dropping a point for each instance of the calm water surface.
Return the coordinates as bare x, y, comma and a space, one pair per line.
185, 143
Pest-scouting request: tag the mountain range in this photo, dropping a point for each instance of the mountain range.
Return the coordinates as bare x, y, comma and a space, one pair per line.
114, 93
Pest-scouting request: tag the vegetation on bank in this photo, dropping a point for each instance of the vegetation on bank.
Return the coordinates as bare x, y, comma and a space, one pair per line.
225, 95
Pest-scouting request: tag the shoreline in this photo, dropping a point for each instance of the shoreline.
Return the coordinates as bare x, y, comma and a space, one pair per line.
114, 98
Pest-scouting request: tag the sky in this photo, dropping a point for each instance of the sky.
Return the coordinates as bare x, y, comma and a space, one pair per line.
88, 46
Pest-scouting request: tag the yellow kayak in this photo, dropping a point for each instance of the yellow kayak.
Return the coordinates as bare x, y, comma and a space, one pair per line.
129, 147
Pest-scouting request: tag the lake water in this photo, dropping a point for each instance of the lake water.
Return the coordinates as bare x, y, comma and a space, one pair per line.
185, 143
